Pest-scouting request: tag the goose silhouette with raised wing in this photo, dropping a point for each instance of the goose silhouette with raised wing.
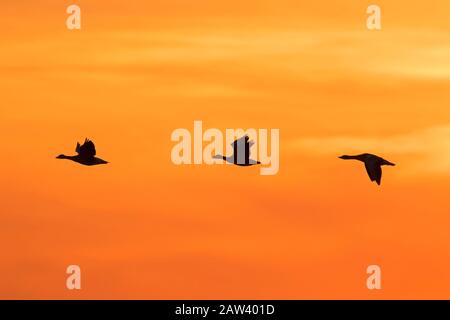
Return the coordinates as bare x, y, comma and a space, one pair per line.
241, 153
373, 164
86, 154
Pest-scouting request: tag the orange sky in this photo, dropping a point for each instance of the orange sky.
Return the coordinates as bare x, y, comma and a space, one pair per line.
142, 227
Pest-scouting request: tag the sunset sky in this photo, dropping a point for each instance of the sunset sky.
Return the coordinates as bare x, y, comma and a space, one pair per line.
144, 228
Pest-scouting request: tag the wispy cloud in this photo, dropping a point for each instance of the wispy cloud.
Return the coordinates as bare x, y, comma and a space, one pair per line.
399, 53
422, 151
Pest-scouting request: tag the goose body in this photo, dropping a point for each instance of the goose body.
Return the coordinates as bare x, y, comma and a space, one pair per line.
241, 153
86, 154
372, 163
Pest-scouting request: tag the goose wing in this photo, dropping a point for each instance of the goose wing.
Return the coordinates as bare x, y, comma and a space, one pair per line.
238, 143
243, 142
87, 149
241, 149
374, 170
248, 146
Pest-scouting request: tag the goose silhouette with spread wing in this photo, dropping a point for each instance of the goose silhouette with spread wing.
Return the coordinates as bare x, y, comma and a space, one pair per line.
373, 164
86, 154
241, 153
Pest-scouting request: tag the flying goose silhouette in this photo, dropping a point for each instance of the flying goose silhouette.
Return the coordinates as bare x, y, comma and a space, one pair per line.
373, 164
241, 153
86, 154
